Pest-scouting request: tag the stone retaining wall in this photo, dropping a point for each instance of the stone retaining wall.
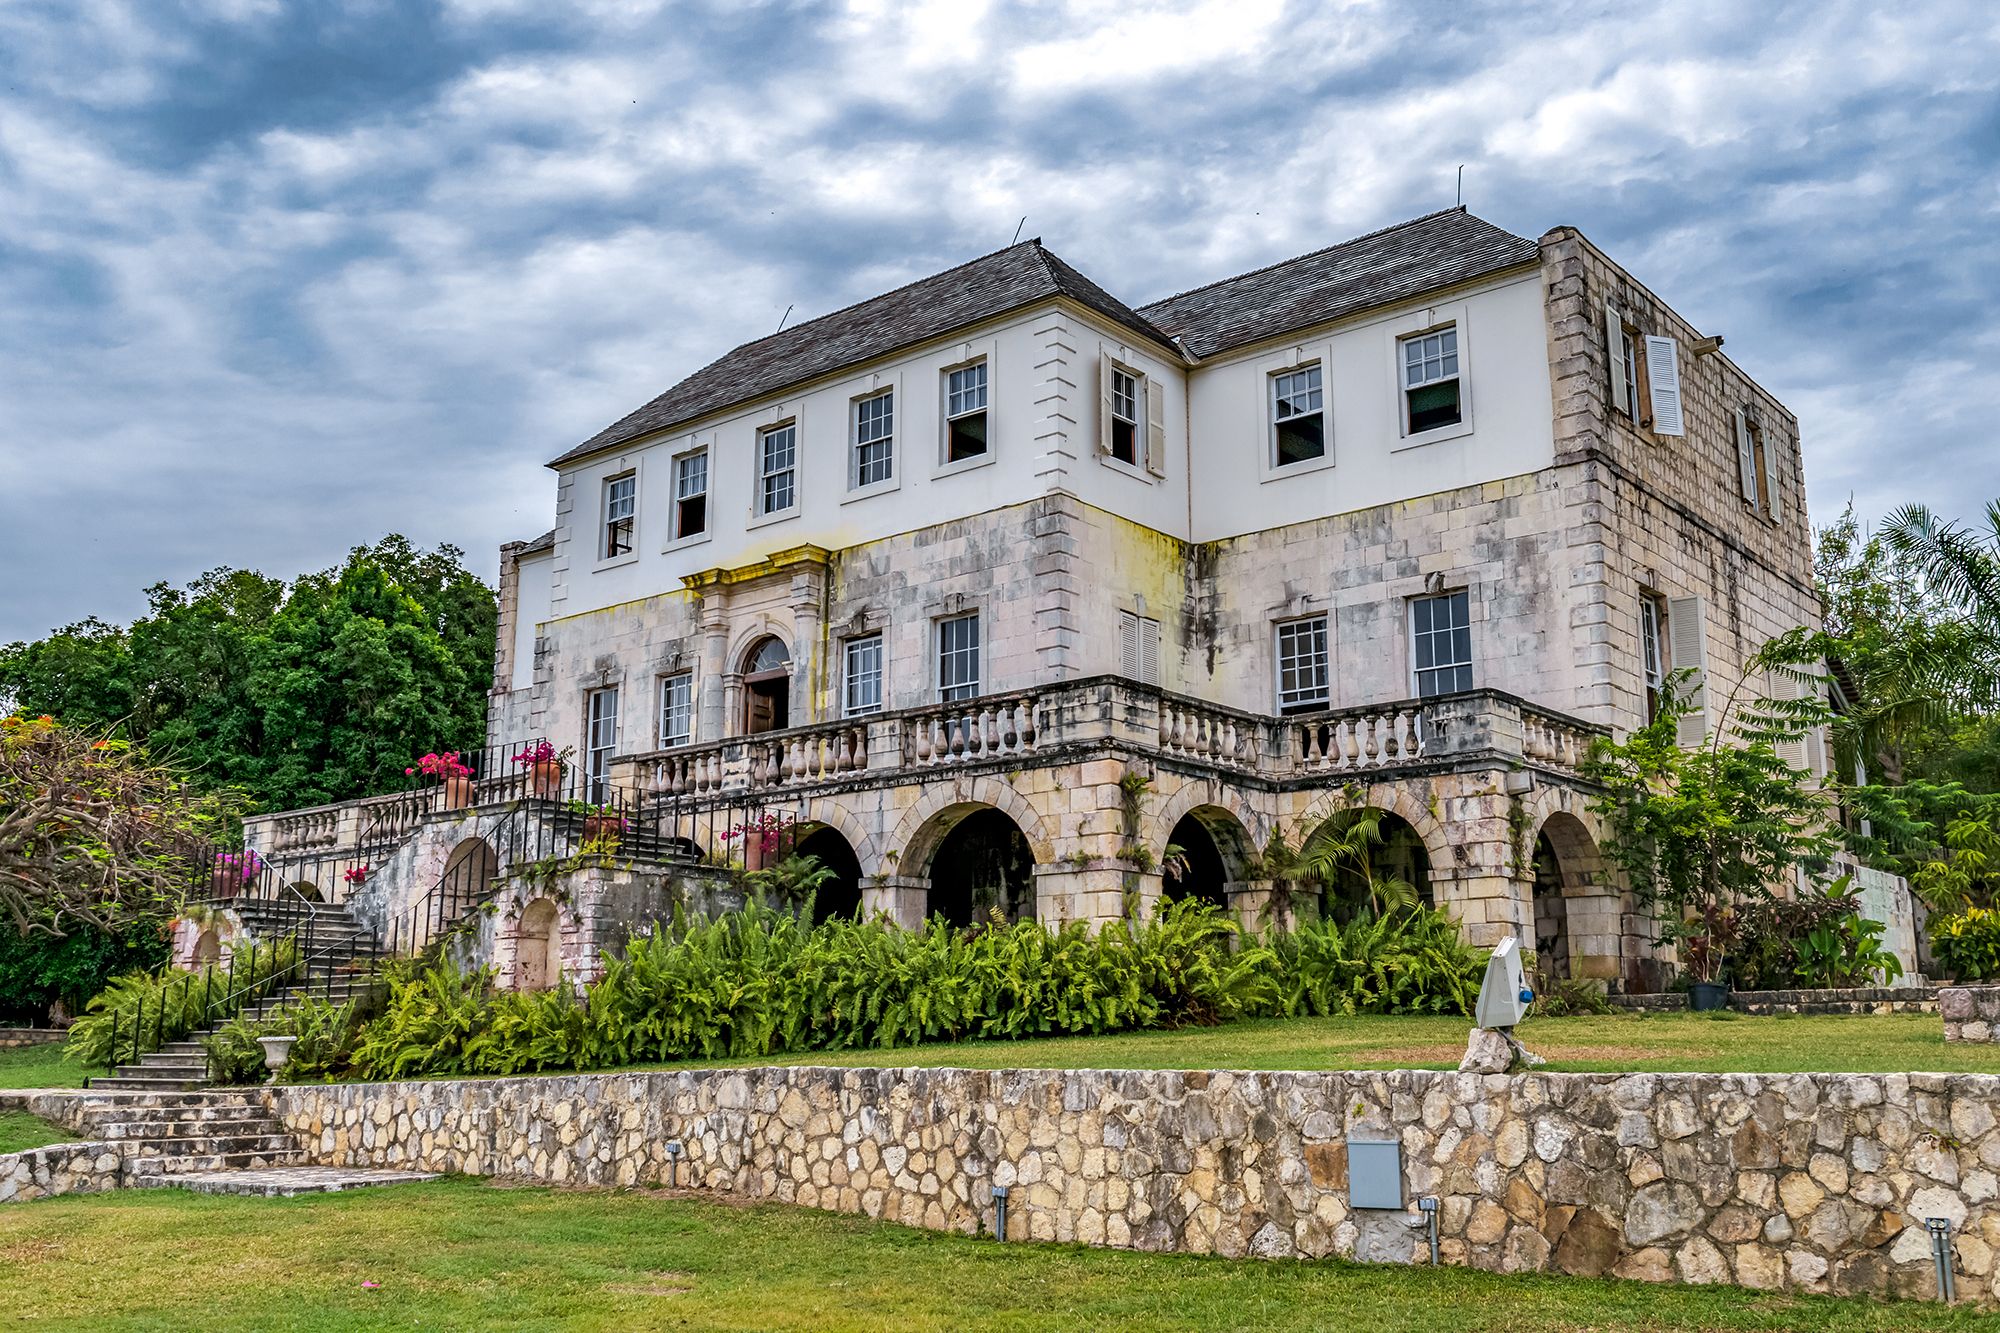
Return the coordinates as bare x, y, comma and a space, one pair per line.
1835, 1000
60, 1168
14, 1038
1971, 1013
1815, 1182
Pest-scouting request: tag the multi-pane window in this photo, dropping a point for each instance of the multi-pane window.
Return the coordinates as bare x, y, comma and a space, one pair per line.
1441, 643
1298, 415
965, 412
1124, 415
863, 675
1652, 657
874, 438
777, 468
691, 495
600, 741
1628, 358
1430, 381
676, 709
958, 657
1302, 665
621, 502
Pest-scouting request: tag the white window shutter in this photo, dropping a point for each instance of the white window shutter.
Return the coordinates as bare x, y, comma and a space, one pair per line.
1128, 645
1104, 404
1687, 638
1746, 457
1614, 346
1156, 427
1783, 688
1149, 650
1663, 372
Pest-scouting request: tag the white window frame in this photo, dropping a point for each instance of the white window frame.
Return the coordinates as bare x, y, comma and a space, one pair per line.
1653, 666
759, 513
1274, 395
1471, 662
680, 461
880, 432
1302, 702
612, 510
849, 675
976, 654
681, 683
1135, 404
1450, 370
947, 416
599, 750
1424, 323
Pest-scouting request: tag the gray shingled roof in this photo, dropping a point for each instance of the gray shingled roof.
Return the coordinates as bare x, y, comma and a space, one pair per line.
545, 542
928, 308
1390, 265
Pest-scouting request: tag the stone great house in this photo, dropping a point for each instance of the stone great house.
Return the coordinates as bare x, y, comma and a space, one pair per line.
1002, 594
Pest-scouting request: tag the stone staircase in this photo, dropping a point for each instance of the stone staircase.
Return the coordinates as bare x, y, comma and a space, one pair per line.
339, 967
215, 1140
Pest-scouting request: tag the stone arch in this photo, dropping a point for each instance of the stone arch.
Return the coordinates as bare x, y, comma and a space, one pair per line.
834, 815
841, 895
305, 889
755, 631
1403, 853
468, 874
538, 946
978, 861
919, 831
1579, 910
207, 948
1218, 801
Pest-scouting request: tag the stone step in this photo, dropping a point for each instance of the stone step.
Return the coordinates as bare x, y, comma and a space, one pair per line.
142, 1083
285, 1181
165, 1130
273, 1145
143, 1170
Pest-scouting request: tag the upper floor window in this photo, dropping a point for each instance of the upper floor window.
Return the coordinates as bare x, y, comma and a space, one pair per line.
965, 412
690, 495
1628, 368
1441, 643
862, 675
1139, 648
958, 657
1303, 679
874, 438
1430, 381
1125, 401
1298, 415
777, 468
621, 503
676, 709
1652, 654
1753, 464
600, 741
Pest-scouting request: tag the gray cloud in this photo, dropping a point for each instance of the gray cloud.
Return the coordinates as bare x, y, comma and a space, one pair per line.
282, 278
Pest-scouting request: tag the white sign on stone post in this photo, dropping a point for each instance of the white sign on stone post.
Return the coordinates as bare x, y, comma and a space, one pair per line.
1504, 998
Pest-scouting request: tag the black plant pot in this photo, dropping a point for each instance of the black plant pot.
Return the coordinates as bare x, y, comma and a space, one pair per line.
1708, 996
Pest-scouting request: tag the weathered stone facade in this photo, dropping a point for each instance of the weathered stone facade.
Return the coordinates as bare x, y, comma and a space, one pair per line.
1810, 1182
1971, 1013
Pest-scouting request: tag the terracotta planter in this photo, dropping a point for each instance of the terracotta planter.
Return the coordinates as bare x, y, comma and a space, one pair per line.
457, 792
753, 851
604, 830
545, 779
224, 885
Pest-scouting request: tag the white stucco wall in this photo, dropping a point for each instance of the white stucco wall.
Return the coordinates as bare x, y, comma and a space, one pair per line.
533, 609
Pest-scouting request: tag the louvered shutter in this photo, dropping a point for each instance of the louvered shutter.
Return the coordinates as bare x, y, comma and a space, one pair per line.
1746, 457
1149, 650
1104, 404
1784, 689
1687, 639
1614, 346
1663, 373
1128, 645
1156, 428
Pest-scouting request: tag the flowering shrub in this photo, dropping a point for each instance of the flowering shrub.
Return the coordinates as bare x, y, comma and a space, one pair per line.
771, 832
355, 874
541, 752
446, 765
245, 865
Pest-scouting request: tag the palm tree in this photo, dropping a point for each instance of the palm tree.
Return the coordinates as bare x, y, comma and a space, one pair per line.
1342, 853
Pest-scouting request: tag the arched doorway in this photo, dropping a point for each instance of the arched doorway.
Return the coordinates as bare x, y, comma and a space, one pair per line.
468, 876
767, 687
1551, 913
1205, 851
538, 946
982, 865
307, 890
841, 895
207, 948
1361, 854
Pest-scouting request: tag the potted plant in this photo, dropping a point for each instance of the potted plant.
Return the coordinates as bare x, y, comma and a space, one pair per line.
234, 870
546, 766
603, 827
765, 840
356, 875
454, 776
1705, 941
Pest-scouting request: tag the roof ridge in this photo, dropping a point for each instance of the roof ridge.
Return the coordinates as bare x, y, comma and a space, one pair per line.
1035, 241
1280, 263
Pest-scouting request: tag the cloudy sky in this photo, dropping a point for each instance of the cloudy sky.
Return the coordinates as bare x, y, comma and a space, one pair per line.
278, 277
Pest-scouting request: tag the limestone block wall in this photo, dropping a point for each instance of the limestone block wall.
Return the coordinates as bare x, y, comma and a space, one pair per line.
60, 1168
16, 1038
1811, 1182
1971, 1013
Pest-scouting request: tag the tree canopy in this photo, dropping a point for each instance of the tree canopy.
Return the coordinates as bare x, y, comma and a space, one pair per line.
297, 694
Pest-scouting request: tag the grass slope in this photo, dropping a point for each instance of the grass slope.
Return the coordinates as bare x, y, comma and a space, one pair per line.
39, 1067
20, 1131
464, 1255
1612, 1043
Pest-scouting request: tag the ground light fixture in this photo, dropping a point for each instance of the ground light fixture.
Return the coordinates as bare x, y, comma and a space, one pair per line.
1940, 1229
674, 1151
1429, 1208
999, 1212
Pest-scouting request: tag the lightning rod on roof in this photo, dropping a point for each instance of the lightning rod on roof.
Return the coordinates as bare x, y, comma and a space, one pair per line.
782, 318
1017, 228
1461, 185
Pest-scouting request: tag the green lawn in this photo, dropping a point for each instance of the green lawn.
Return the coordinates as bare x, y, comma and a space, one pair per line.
40, 1067
465, 1255
1608, 1043
20, 1131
